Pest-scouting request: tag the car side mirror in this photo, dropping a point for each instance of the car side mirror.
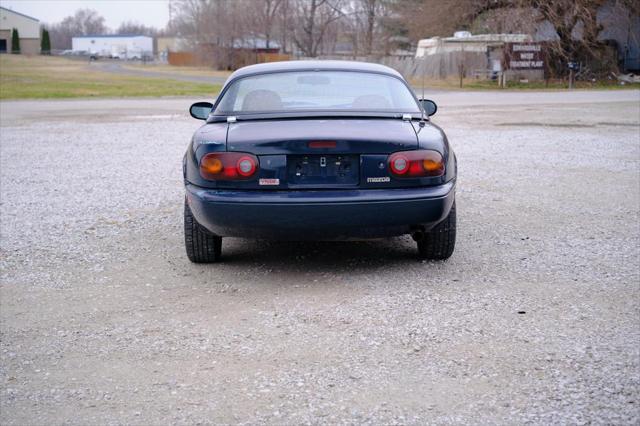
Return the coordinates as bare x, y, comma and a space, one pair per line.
429, 106
201, 110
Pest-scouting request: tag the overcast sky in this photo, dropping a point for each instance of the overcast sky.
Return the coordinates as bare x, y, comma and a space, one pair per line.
153, 13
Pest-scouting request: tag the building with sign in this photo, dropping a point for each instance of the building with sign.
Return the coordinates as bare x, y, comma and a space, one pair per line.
482, 55
467, 42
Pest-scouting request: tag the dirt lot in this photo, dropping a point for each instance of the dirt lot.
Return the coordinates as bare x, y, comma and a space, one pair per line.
535, 318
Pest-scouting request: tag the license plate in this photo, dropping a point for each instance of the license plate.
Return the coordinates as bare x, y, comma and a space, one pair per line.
323, 169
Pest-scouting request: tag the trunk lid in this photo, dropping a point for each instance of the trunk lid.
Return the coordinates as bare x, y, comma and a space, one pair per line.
351, 136
320, 153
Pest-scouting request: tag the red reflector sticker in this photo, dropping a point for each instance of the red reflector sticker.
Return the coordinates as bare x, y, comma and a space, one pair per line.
269, 182
322, 144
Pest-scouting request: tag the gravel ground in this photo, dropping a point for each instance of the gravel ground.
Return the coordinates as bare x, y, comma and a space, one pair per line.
535, 318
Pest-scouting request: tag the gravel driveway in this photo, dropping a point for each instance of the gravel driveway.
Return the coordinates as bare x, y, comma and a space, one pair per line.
535, 318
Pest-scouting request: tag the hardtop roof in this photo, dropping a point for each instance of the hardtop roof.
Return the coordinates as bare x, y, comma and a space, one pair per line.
313, 65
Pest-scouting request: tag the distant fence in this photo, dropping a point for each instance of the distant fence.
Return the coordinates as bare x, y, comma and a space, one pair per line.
182, 59
438, 66
235, 58
273, 57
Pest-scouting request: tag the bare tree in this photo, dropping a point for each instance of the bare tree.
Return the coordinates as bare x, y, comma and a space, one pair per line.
262, 22
565, 16
370, 8
314, 17
192, 19
284, 24
315, 27
351, 29
131, 27
215, 28
428, 18
574, 21
83, 22
372, 15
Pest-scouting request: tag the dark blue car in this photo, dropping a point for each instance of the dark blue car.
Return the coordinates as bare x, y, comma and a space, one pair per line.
320, 150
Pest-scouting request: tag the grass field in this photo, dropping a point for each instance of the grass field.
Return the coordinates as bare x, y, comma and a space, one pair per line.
42, 77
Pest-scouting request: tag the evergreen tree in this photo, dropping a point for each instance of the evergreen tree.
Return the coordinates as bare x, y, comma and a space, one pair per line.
15, 41
45, 43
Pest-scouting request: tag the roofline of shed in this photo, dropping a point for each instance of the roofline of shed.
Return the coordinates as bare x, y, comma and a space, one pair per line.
21, 14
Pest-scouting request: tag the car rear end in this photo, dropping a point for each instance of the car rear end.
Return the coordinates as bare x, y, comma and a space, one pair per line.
379, 181
354, 167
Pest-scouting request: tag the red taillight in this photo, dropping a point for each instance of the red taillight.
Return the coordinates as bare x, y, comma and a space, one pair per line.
228, 166
399, 164
416, 164
246, 166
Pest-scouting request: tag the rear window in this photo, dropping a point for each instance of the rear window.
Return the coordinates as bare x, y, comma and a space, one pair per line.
317, 91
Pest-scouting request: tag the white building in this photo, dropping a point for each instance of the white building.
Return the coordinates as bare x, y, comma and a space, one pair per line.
465, 41
123, 46
479, 55
28, 31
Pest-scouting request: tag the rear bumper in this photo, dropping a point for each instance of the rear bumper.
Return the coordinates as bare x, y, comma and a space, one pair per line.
320, 215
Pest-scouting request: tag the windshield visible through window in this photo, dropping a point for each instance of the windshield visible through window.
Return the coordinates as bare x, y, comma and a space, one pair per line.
317, 91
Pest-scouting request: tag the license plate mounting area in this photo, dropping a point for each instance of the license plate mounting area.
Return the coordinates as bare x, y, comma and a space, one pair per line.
319, 169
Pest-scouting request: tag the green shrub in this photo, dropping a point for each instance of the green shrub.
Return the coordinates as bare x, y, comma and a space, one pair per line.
45, 43
15, 41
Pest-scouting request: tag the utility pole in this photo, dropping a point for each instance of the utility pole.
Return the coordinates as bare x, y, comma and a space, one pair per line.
461, 65
572, 67
570, 78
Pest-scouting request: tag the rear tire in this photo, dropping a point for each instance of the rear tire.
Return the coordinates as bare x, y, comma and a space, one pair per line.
202, 246
439, 242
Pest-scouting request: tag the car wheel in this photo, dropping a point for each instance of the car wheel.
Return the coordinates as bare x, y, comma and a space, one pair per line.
439, 242
202, 246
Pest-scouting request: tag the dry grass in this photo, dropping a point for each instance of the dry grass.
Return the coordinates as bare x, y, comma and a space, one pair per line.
35, 77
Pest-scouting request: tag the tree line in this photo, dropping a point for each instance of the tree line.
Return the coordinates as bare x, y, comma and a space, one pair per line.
90, 22
362, 27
